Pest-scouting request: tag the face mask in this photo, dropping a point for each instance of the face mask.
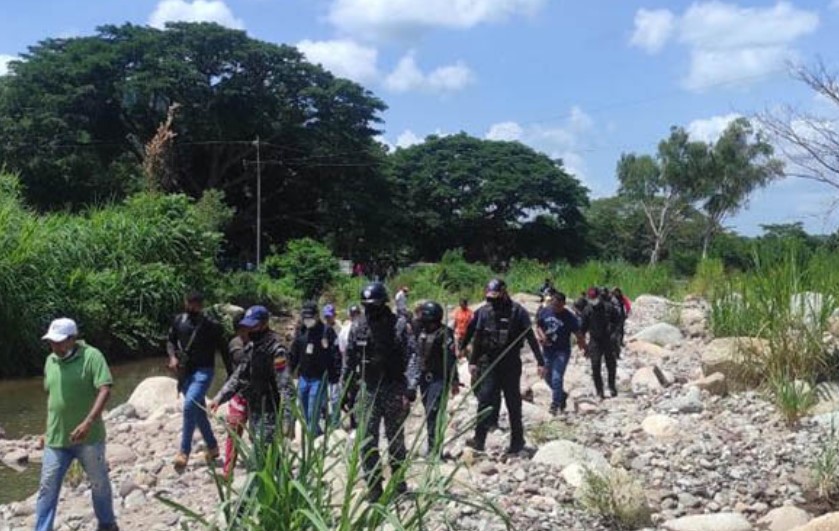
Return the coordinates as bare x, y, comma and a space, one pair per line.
309, 322
494, 302
256, 335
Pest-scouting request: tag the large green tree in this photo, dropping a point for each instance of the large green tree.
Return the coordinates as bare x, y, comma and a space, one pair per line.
738, 163
76, 114
490, 198
665, 186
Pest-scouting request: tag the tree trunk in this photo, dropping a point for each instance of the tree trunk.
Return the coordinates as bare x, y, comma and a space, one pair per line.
656, 253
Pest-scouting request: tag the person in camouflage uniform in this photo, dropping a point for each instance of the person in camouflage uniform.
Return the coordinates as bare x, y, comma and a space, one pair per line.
382, 356
262, 378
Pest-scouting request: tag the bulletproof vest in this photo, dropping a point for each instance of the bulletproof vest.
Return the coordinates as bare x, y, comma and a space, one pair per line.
494, 334
432, 346
599, 326
377, 341
263, 381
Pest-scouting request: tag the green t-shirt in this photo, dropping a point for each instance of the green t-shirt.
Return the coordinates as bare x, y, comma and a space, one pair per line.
73, 384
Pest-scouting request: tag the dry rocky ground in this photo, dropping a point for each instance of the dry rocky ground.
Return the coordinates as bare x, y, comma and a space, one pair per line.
681, 443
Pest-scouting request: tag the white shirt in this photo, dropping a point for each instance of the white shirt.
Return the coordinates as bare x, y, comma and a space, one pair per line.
344, 337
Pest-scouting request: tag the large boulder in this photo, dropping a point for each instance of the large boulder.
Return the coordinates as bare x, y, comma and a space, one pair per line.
784, 518
660, 334
660, 426
650, 308
724, 356
153, 393
709, 522
563, 453
827, 522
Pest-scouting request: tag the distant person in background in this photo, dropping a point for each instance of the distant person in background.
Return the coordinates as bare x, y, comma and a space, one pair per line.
194, 340
626, 304
401, 301
554, 328
544, 291
237, 411
78, 382
462, 317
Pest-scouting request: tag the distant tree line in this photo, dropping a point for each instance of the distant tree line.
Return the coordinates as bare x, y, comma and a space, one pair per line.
94, 119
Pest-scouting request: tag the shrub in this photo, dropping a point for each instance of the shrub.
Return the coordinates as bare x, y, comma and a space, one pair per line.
825, 467
308, 265
245, 289
120, 271
616, 498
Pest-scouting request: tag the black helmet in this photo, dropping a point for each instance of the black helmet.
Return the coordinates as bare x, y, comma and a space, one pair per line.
374, 294
431, 312
309, 310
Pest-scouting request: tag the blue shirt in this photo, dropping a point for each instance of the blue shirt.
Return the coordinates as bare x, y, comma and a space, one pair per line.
557, 328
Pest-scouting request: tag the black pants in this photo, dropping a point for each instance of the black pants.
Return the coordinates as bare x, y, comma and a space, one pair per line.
598, 352
496, 404
432, 397
382, 403
504, 377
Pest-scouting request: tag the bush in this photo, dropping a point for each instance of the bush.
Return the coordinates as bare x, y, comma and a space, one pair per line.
246, 289
616, 498
308, 265
120, 271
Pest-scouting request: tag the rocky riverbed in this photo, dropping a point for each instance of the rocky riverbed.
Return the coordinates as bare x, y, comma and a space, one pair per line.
688, 448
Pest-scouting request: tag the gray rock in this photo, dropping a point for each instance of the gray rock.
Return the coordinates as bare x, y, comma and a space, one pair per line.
709, 522
563, 453
715, 384
661, 334
136, 498
689, 403
126, 410
723, 356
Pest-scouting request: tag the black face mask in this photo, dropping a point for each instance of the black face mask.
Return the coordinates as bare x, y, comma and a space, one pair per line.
374, 310
257, 335
496, 302
430, 326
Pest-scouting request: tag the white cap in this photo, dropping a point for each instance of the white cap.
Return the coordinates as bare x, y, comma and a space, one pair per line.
61, 329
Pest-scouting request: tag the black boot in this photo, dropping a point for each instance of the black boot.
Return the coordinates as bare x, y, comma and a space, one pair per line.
475, 444
516, 447
374, 492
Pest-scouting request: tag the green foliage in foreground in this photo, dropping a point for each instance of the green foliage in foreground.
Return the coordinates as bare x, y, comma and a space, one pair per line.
120, 271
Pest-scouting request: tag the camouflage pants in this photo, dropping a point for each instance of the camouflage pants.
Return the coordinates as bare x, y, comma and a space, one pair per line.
377, 405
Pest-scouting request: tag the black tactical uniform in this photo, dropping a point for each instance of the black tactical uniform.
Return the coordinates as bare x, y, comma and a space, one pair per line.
601, 320
381, 354
501, 327
438, 365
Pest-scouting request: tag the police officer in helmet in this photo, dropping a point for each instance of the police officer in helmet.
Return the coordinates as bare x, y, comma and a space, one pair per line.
438, 366
382, 356
501, 327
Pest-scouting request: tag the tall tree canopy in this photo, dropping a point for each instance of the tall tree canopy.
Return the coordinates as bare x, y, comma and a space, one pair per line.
487, 197
76, 113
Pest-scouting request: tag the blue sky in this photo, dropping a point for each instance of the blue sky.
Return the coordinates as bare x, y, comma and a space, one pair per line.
583, 81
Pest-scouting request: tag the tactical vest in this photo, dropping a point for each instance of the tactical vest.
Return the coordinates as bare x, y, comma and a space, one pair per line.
494, 334
599, 326
432, 350
379, 351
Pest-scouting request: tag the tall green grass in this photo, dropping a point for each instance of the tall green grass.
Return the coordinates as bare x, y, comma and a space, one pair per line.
120, 271
788, 300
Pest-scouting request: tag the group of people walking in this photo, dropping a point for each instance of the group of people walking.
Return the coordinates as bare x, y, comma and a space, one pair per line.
373, 367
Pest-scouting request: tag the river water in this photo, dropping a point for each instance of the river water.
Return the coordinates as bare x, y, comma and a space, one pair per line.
23, 411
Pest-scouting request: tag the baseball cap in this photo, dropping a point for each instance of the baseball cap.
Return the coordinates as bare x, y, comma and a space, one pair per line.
329, 310
495, 287
61, 329
254, 315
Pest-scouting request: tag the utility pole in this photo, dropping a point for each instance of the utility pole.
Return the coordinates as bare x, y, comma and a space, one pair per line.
259, 163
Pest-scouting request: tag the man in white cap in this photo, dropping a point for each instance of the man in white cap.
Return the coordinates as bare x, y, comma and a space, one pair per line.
78, 381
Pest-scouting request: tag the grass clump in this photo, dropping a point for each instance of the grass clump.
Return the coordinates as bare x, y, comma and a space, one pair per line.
793, 398
825, 467
615, 498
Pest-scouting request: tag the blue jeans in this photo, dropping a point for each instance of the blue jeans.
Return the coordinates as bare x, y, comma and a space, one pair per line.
311, 400
53, 469
197, 384
556, 361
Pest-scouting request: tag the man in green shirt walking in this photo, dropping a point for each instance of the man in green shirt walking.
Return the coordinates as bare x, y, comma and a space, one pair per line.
78, 381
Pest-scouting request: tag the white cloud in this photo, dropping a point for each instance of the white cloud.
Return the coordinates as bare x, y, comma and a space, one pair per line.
4, 63
564, 141
407, 139
710, 129
392, 18
194, 11
407, 76
653, 28
728, 44
343, 57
